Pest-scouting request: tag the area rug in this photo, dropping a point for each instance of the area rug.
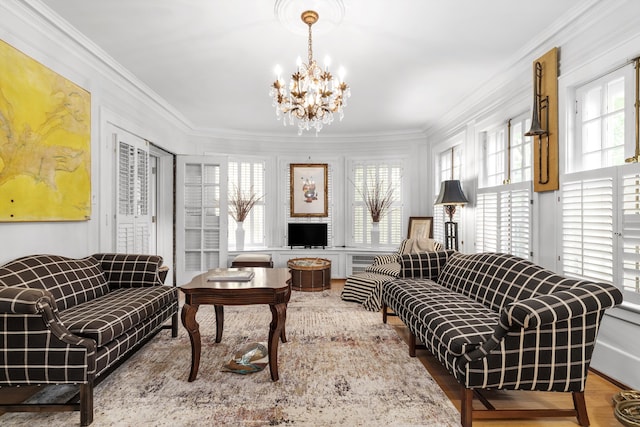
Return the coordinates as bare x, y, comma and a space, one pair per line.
341, 366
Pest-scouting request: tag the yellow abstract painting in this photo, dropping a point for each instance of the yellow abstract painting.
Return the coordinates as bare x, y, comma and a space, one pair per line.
45, 142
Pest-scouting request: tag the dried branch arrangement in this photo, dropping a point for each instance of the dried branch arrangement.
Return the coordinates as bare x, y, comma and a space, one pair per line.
240, 204
378, 200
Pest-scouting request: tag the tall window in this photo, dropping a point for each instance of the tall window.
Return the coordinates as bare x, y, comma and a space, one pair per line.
449, 167
600, 131
600, 199
521, 150
368, 174
249, 176
503, 205
495, 156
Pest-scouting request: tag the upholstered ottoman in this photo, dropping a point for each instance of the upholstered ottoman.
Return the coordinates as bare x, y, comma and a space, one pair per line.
252, 260
366, 288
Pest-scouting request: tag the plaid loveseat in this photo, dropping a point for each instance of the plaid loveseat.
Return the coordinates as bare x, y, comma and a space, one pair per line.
496, 321
67, 321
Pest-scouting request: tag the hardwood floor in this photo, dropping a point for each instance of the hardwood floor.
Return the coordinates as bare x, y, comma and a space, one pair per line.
598, 393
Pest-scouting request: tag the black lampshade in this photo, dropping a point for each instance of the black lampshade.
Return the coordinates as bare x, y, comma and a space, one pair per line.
451, 194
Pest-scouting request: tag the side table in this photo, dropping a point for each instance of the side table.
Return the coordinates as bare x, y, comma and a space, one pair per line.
310, 274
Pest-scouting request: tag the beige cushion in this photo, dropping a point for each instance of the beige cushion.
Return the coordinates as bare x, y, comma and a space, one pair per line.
253, 258
419, 245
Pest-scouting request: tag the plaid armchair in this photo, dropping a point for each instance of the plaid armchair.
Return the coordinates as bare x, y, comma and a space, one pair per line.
366, 287
496, 321
67, 321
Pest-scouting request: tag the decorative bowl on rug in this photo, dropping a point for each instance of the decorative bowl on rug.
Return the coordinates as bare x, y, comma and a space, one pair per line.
252, 357
627, 407
628, 413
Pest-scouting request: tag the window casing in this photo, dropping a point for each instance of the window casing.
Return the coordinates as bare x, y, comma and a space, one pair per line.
603, 125
387, 173
248, 175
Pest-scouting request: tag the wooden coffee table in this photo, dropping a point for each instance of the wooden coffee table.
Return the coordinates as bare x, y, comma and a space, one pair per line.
269, 286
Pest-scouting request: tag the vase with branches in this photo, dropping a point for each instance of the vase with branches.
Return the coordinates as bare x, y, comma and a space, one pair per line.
240, 205
378, 199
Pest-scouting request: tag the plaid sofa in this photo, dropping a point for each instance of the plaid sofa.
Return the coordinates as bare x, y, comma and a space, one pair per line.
366, 287
67, 321
496, 321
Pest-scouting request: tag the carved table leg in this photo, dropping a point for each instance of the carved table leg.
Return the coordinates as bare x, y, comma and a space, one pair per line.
219, 322
190, 324
283, 334
276, 332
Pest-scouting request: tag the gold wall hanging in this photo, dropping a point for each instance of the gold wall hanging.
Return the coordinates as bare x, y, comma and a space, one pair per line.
544, 122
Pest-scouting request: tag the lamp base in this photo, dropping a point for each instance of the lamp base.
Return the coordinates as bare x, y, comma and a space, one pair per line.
451, 235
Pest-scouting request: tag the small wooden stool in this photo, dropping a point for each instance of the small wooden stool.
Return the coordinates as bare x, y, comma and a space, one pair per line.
252, 260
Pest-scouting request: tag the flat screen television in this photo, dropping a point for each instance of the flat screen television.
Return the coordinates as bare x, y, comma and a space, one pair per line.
307, 234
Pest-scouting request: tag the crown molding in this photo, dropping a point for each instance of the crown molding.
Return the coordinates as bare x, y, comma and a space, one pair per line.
95, 57
476, 105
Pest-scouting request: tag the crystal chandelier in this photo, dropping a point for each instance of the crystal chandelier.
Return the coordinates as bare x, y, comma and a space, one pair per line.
314, 94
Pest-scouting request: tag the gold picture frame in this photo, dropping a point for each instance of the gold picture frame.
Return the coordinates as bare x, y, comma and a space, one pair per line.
309, 192
420, 227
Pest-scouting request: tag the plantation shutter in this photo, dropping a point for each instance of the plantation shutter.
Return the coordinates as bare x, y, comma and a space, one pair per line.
631, 233
486, 221
503, 219
133, 215
587, 225
519, 206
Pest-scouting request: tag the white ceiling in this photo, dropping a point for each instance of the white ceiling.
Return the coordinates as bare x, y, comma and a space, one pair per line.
408, 62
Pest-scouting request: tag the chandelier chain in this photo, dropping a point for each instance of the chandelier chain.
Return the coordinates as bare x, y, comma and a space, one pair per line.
310, 45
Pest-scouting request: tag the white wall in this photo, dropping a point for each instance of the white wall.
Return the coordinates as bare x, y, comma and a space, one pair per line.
114, 99
604, 37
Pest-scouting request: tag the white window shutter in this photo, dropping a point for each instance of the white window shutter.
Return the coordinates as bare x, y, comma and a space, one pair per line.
503, 219
587, 225
631, 232
133, 219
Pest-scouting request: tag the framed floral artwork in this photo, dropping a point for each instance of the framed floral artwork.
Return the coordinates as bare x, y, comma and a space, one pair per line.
309, 195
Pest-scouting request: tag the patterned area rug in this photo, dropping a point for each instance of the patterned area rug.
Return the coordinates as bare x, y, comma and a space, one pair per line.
341, 366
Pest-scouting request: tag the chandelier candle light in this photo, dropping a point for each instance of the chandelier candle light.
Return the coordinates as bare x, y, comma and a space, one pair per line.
314, 94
